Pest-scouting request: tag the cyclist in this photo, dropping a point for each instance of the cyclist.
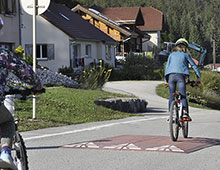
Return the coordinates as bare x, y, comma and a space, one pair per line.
177, 68
9, 63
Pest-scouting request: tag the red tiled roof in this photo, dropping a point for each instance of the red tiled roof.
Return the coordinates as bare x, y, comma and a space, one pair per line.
153, 19
122, 13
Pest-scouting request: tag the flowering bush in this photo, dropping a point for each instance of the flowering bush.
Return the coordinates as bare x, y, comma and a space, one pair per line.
94, 77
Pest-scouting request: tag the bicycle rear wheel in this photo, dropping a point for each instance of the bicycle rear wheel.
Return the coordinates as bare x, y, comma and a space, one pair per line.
19, 153
185, 129
174, 121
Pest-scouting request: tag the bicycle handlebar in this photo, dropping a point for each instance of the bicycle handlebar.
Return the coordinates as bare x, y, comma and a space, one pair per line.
191, 83
24, 93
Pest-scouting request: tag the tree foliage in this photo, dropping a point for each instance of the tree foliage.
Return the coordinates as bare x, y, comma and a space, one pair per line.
196, 20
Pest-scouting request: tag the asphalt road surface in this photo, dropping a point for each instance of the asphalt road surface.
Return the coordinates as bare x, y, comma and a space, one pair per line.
144, 140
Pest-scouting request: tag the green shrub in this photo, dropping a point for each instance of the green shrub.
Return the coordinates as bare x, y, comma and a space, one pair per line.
137, 67
19, 53
209, 81
94, 77
206, 94
68, 71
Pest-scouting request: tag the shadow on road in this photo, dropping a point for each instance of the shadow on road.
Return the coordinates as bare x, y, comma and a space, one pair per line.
156, 110
43, 147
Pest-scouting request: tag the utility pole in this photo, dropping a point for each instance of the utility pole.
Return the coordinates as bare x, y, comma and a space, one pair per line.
34, 7
34, 51
213, 54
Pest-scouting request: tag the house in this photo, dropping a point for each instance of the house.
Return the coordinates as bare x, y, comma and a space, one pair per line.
119, 23
153, 26
10, 34
64, 39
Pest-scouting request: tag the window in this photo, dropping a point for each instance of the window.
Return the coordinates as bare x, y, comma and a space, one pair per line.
76, 51
77, 55
43, 51
8, 7
108, 52
7, 46
88, 50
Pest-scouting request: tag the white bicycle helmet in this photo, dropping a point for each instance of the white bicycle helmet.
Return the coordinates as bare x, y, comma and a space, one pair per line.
182, 41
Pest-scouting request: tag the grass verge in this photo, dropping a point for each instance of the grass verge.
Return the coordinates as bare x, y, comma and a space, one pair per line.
61, 106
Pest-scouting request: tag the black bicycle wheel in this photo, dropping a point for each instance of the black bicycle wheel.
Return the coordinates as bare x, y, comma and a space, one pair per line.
19, 153
185, 129
174, 121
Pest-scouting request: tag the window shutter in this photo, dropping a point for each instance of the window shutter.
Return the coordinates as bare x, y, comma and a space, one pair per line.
14, 10
50, 52
3, 6
28, 50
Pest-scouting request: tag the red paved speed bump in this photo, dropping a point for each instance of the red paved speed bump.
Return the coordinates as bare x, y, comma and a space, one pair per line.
148, 143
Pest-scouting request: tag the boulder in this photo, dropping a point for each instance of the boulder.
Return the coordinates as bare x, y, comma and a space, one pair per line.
131, 105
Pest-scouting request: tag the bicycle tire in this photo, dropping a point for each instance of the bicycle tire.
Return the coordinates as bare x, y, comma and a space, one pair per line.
185, 129
19, 153
174, 121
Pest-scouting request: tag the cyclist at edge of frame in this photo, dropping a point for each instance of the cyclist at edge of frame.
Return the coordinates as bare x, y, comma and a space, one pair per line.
9, 63
176, 71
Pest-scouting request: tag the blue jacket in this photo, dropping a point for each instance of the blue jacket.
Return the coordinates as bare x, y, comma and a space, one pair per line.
178, 62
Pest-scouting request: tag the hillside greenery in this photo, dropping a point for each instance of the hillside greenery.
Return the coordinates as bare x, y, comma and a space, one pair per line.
197, 20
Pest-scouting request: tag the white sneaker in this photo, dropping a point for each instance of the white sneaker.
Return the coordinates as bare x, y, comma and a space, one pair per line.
6, 161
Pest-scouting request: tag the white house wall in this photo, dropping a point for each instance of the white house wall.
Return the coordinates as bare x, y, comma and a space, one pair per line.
153, 43
10, 32
47, 34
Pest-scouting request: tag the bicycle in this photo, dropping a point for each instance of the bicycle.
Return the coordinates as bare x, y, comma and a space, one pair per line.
176, 120
19, 152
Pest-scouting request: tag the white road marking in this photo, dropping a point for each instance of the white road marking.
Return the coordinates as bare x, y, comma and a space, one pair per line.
92, 128
167, 148
82, 145
125, 146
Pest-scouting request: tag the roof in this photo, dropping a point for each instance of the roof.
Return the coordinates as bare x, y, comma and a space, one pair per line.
73, 25
123, 14
153, 19
102, 18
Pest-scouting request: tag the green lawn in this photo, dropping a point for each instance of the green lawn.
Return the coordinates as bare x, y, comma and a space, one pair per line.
64, 106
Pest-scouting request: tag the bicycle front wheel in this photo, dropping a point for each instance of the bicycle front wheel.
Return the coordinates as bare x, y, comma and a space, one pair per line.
174, 121
19, 153
185, 129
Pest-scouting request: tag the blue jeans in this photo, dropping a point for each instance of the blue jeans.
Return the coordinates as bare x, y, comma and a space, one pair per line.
179, 80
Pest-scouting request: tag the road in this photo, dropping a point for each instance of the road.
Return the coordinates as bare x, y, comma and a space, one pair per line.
46, 151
